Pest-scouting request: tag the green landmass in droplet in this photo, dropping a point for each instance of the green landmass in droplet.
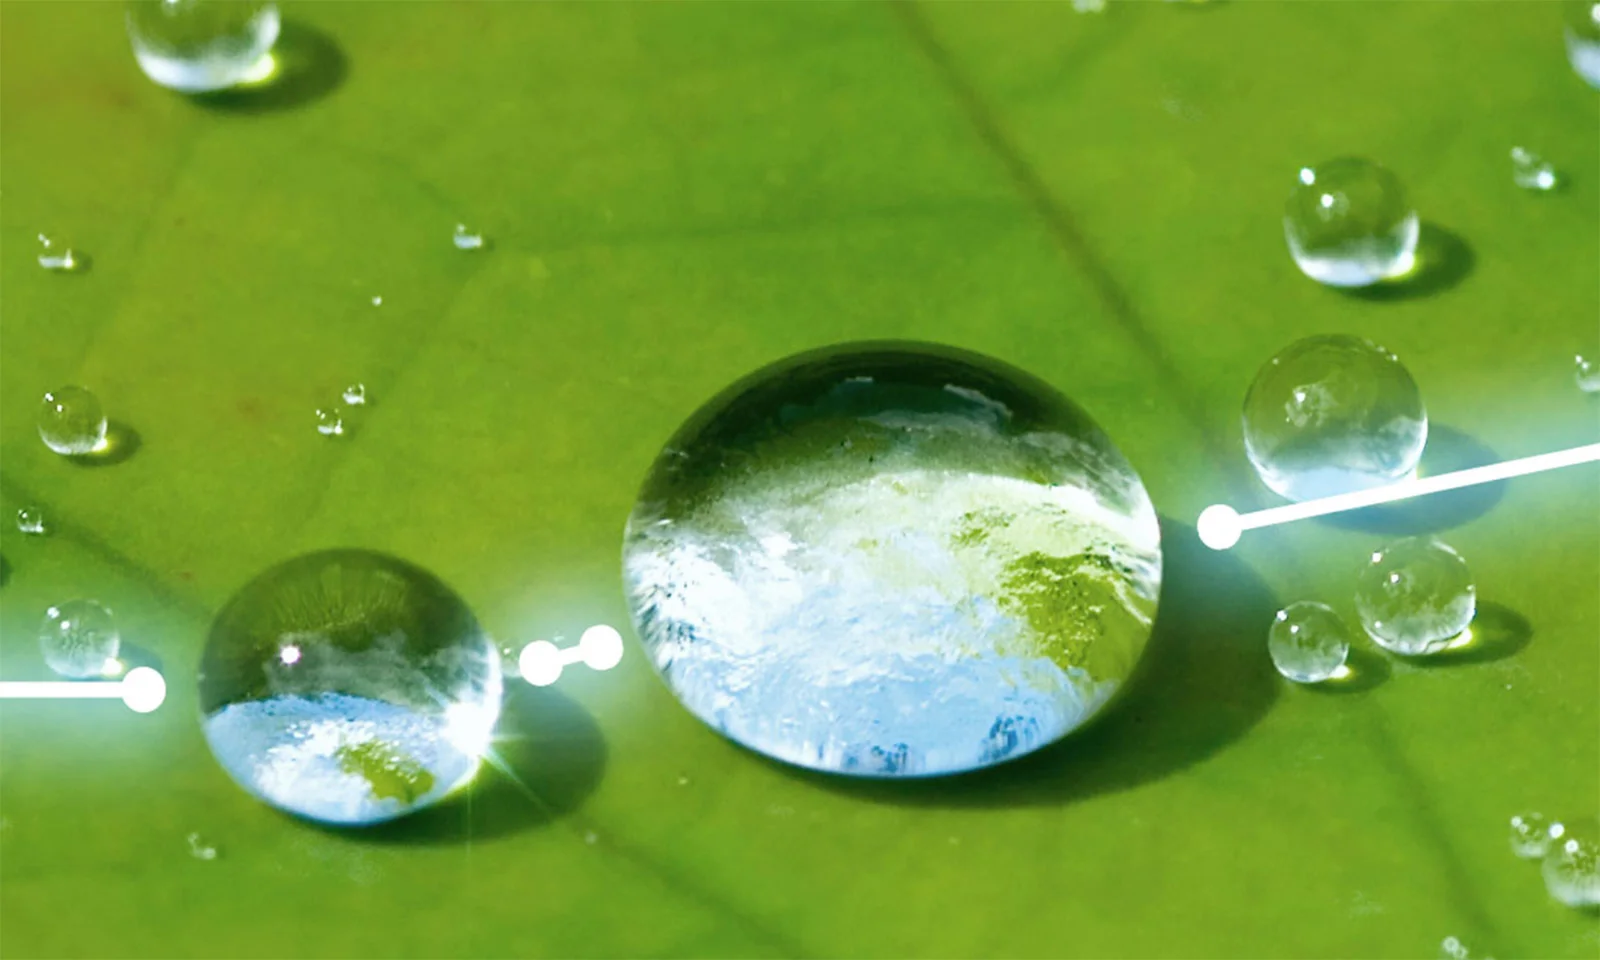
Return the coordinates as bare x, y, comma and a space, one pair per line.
1076, 615
390, 774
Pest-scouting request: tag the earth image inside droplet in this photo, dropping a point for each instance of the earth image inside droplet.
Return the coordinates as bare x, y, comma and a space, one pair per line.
348, 687
892, 560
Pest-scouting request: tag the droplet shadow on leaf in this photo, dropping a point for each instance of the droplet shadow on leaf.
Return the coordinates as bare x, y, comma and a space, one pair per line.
132, 655
1443, 260
1497, 632
1367, 669
553, 757
122, 442
309, 66
1448, 450
1204, 681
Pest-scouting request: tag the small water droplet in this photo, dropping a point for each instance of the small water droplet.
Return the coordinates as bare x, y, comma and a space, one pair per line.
377, 301
62, 259
467, 240
1531, 171
30, 520
198, 850
591, 838
683, 781
1588, 375
1530, 835
356, 394
329, 423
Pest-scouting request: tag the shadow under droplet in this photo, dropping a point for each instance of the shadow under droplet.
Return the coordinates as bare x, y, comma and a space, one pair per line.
122, 442
132, 655
1496, 632
1204, 681
548, 757
1448, 450
308, 66
1367, 670
1443, 260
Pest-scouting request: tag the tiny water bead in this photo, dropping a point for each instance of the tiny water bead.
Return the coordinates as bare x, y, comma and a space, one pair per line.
1583, 38
892, 560
1531, 835
1588, 375
79, 639
71, 421
1308, 642
465, 239
1531, 171
1572, 867
330, 423
30, 520
1333, 414
1348, 224
355, 395
348, 687
199, 849
62, 259
199, 46
1415, 596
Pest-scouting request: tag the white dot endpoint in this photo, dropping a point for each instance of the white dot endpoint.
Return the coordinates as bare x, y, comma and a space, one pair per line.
601, 647
1219, 526
143, 689
540, 663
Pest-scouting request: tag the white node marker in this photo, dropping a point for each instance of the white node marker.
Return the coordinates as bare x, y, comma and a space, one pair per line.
541, 662
143, 689
1220, 526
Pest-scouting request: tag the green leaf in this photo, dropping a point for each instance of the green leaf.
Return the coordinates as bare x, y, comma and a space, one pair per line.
675, 195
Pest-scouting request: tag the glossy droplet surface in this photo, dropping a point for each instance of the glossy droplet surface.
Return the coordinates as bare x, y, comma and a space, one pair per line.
355, 395
1348, 223
1333, 414
71, 421
330, 423
198, 46
79, 639
892, 560
1308, 642
1415, 596
349, 687
465, 239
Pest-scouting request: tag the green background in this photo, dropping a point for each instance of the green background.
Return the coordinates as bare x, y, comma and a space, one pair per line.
675, 195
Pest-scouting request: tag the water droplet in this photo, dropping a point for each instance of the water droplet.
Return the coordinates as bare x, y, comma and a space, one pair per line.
1583, 39
1531, 171
329, 423
72, 422
62, 259
466, 240
1530, 835
1349, 225
30, 520
1331, 415
377, 301
198, 850
1572, 867
1588, 375
79, 639
591, 838
683, 781
1425, 609
356, 394
1308, 642
196, 46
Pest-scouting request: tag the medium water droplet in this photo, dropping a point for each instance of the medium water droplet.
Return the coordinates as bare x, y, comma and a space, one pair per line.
71, 421
79, 639
356, 394
329, 423
467, 240
30, 520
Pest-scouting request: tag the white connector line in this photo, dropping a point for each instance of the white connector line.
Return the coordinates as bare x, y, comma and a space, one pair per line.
541, 662
1220, 525
142, 689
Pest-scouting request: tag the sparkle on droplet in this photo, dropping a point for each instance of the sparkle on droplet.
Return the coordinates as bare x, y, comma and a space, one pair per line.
199, 850
387, 708
30, 520
329, 423
1588, 375
79, 639
1308, 642
72, 422
1415, 596
198, 46
356, 394
1333, 414
1530, 835
467, 240
1531, 171
892, 562
1348, 224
